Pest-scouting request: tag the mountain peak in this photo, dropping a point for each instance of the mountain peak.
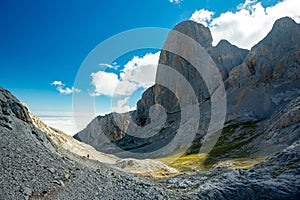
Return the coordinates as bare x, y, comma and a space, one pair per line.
224, 43
197, 31
227, 56
285, 32
283, 22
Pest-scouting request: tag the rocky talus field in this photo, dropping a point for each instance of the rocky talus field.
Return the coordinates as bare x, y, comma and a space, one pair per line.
256, 157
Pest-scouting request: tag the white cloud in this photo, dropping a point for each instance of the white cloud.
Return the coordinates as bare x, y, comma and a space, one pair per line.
138, 73
141, 71
75, 90
60, 87
175, 1
113, 66
123, 106
202, 16
56, 83
125, 87
250, 23
104, 83
64, 91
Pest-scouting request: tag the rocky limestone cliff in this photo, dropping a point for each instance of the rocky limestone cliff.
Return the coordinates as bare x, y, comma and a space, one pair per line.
262, 123
256, 87
33, 168
227, 56
258, 83
38, 162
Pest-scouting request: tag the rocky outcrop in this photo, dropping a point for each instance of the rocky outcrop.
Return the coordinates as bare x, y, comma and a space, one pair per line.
227, 56
258, 83
275, 178
262, 122
196, 31
270, 69
38, 162
33, 168
262, 89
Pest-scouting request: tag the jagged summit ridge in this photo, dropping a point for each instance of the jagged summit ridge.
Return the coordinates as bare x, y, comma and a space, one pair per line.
252, 79
263, 121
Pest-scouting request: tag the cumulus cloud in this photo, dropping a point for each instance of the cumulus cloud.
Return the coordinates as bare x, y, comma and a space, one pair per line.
122, 106
104, 83
249, 23
202, 16
142, 70
138, 72
62, 89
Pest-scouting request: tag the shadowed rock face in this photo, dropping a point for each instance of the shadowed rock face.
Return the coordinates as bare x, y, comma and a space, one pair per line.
196, 31
227, 56
263, 120
255, 88
34, 167
275, 59
258, 83
262, 89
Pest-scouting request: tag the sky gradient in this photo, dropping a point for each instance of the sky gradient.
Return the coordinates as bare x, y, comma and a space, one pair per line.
46, 41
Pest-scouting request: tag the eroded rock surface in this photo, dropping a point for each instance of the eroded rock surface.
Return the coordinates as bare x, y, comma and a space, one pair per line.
258, 83
38, 162
51, 165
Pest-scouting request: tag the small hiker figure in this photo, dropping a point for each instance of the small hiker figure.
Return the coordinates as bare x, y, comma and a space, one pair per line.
88, 156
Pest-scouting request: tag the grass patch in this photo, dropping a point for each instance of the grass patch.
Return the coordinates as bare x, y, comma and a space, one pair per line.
193, 163
233, 142
239, 163
233, 151
156, 174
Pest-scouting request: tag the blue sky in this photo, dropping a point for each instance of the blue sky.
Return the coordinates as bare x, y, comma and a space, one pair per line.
46, 41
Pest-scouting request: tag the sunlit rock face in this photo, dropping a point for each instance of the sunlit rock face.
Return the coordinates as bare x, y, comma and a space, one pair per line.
40, 162
271, 69
258, 83
261, 133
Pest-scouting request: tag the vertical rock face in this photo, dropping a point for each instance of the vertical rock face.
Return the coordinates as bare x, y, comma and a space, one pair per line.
258, 83
227, 56
271, 69
196, 31
275, 59
263, 120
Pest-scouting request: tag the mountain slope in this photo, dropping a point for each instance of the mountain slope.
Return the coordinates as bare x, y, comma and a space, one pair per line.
37, 165
32, 168
258, 154
263, 124
258, 83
